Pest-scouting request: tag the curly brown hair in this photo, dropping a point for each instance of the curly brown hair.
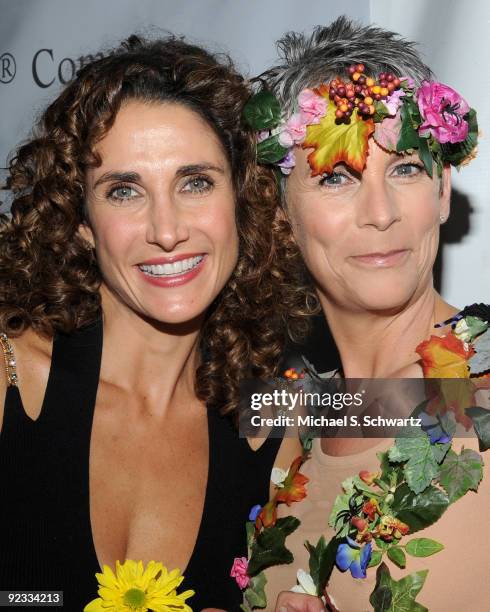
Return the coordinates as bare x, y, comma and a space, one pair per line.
49, 279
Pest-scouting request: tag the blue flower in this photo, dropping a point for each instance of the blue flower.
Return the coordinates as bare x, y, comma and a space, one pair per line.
254, 512
351, 556
434, 428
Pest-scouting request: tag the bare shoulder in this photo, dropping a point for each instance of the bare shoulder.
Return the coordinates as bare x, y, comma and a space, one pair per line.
33, 360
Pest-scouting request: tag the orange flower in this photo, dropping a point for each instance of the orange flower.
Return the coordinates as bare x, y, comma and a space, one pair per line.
444, 357
371, 508
294, 485
368, 477
267, 516
390, 527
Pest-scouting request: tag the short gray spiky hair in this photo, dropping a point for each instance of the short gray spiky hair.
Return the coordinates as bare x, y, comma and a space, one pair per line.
308, 61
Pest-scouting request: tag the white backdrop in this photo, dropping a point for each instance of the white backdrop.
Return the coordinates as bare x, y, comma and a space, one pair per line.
43, 42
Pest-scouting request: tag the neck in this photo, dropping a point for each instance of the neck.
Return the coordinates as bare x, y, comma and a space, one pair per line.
375, 344
144, 357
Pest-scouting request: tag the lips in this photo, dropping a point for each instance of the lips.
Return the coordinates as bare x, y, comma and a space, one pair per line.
172, 271
382, 259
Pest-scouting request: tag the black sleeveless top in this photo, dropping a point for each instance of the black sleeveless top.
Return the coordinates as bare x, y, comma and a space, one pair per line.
45, 532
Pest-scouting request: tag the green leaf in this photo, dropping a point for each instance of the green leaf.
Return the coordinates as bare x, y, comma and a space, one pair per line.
409, 137
425, 155
322, 561
480, 362
269, 549
255, 593
481, 424
397, 595
341, 503
250, 529
270, 151
419, 510
380, 112
262, 111
376, 557
382, 544
423, 547
460, 473
440, 450
397, 555
421, 466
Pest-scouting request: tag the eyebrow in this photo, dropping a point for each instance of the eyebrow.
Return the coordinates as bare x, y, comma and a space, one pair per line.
134, 177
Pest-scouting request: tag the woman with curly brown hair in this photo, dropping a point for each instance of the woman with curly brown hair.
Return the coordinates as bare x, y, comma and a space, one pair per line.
140, 219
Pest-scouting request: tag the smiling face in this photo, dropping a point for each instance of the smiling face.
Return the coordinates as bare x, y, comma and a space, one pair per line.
369, 240
161, 211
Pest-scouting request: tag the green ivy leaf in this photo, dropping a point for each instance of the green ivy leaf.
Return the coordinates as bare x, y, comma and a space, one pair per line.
397, 595
410, 116
419, 510
255, 595
322, 561
480, 362
269, 549
425, 155
341, 503
262, 111
397, 555
423, 547
270, 151
481, 423
421, 466
460, 473
376, 557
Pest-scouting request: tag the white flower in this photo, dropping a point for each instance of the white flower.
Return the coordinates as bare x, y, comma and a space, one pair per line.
306, 584
278, 476
462, 331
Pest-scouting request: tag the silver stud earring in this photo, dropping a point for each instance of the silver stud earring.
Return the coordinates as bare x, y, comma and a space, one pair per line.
442, 219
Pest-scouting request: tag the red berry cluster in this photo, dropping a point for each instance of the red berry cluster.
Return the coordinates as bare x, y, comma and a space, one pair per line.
361, 92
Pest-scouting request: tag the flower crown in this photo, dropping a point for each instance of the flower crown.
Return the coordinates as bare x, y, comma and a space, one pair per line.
337, 119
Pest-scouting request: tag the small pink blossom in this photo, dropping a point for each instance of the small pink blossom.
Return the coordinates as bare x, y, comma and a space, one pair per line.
287, 163
239, 572
442, 111
393, 102
293, 132
312, 106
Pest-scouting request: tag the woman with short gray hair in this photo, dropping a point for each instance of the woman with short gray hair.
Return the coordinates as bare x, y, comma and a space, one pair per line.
364, 138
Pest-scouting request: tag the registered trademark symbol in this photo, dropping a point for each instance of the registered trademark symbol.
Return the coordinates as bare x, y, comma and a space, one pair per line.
8, 68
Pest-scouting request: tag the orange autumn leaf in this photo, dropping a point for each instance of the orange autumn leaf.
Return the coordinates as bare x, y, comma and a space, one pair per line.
444, 357
293, 488
337, 142
268, 515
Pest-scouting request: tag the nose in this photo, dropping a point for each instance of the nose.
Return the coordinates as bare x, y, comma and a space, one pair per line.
376, 207
167, 225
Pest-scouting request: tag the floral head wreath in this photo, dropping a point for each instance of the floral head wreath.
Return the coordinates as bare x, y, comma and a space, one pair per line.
336, 120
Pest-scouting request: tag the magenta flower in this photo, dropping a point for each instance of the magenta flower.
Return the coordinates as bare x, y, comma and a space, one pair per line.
293, 132
312, 106
442, 111
239, 572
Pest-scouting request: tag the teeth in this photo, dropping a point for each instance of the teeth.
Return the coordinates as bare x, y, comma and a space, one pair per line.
170, 269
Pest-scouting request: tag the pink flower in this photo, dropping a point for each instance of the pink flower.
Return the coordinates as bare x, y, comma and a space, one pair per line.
287, 163
262, 135
442, 110
293, 132
410, 82
312, 106
239, 572
393, 102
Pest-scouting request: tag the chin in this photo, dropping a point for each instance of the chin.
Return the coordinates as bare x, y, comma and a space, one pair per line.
383, 296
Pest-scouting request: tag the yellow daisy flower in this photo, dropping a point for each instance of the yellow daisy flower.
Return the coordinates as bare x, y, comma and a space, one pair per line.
136, 589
